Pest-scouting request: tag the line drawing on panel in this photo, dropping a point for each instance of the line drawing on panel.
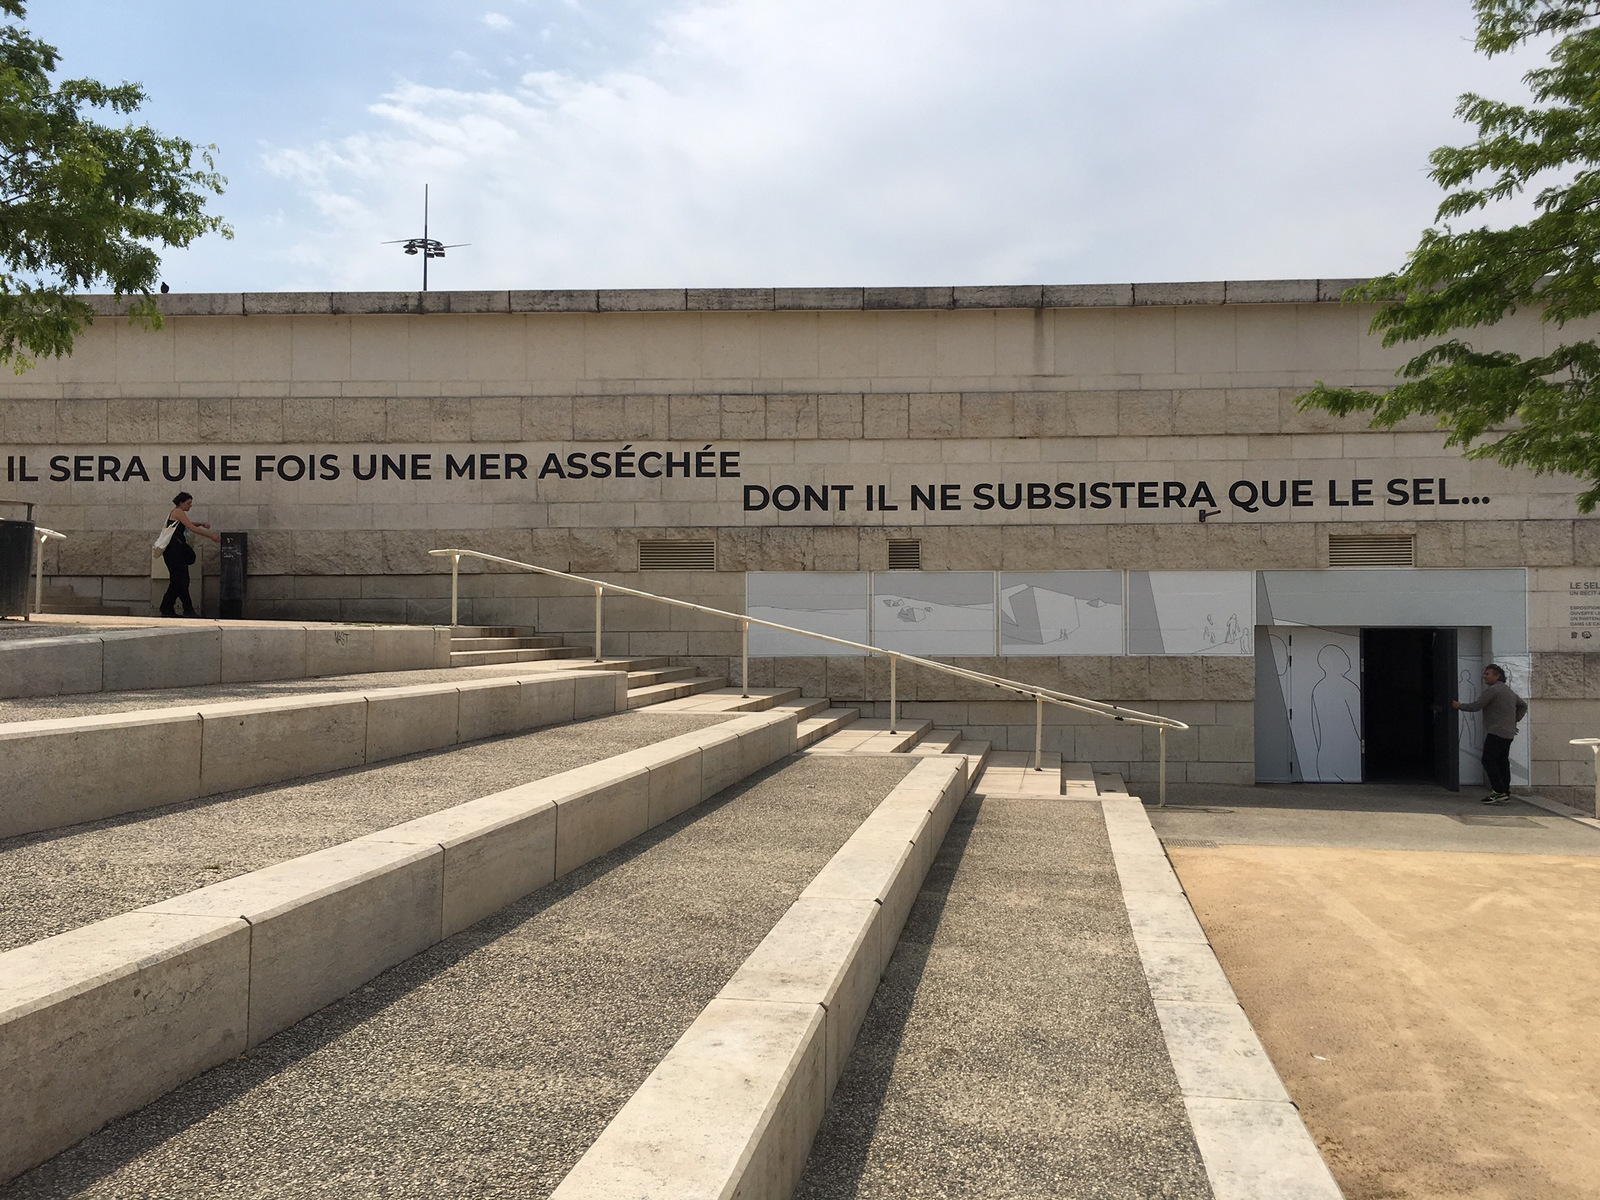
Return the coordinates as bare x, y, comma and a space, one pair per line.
1335, 719
1061, 612
833, 604
934, 612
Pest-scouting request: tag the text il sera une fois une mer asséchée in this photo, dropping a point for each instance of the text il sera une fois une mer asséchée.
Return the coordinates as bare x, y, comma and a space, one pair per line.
709, 462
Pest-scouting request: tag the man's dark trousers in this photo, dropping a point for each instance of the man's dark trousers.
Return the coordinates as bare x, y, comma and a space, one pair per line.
1497, 762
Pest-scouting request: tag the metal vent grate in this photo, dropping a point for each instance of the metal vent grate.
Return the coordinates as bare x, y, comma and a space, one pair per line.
905, 554
1371, 550
677, 556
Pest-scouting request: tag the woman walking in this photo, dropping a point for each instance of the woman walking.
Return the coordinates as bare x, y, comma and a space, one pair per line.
179, 554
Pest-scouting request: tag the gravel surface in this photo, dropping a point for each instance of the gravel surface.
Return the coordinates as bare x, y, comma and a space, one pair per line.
12, 629
1012, 1049
60, 879
88, 704
487, 1065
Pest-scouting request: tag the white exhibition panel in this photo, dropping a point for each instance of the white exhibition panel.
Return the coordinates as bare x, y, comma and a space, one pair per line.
934, 613
1191, 612
1061, 612
981, 613
821, 601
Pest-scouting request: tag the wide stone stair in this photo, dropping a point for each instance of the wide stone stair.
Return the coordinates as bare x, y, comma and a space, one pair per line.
334, 910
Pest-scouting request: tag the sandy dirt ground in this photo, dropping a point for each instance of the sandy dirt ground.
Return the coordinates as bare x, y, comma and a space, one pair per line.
1432, 1013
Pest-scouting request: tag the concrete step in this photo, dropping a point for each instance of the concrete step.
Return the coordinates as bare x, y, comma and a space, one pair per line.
805, 707
141, 758
730, 1098
1011, 773
1110, 784
976, 753
623, 664
937, 741
494, 631
732, 699
199, 653
532, 642
872, 736
657, 692
817, 726
480, 658
639, 679
245, 959
1077, 781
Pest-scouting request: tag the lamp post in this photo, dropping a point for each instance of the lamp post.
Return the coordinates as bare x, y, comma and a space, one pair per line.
426, 246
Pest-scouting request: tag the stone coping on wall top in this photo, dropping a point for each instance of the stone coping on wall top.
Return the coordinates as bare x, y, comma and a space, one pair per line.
1112, 295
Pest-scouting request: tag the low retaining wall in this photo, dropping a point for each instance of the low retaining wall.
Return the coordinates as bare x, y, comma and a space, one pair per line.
734, 1106
75, 769
1249, 1132
100, 1021
190, 656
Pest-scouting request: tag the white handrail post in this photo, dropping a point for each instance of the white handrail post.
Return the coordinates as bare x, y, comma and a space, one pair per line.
744, 673
894, 691
455, 589
598, 592
1593, 744
38, 577
1038, 731
1162, 800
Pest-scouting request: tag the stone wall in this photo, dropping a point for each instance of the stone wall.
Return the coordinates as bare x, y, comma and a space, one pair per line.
943, 389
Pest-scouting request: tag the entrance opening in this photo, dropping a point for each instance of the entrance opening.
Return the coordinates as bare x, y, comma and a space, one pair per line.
1397, 705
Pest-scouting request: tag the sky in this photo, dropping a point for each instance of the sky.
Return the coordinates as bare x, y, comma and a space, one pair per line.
723, 143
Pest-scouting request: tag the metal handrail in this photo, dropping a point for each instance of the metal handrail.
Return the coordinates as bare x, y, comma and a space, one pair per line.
44, 535
1593, 744
1041, 695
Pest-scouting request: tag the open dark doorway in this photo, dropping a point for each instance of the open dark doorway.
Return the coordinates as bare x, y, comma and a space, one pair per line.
1408, 727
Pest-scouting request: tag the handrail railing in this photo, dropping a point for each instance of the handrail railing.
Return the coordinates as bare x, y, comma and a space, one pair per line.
1041, 695
1593, 744
44, 535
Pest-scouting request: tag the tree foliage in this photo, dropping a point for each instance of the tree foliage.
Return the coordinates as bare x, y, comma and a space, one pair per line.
83, 204
1540, 412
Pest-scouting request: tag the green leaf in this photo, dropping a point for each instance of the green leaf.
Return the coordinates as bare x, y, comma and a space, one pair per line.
83, 204
1540, 412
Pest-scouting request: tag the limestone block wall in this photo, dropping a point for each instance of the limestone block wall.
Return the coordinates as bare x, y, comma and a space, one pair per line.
338, 429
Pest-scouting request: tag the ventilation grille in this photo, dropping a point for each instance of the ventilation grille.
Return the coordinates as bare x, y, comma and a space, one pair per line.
1371, 550
677, 556
905, 555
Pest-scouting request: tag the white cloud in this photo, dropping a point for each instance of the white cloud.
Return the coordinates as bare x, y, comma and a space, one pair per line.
496, 20
932, 142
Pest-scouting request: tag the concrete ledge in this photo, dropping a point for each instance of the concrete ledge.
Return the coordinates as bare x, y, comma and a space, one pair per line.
63, 772
1251, 1138
255, 742
97, 1022
146, 658
1096, 295
732, 1109
226, 652
729, 1112
323, 924
100, 1021
127, 762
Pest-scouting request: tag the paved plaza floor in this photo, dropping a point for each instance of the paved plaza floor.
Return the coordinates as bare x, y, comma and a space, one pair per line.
1423, 971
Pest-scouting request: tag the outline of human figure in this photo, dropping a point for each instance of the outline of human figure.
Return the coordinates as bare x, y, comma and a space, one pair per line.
1232, 634
1335, 720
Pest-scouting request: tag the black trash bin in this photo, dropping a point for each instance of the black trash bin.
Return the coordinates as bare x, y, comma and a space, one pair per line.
16, 563
235, 566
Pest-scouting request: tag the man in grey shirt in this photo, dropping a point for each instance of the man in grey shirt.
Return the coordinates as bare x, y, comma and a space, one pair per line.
1502, 709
